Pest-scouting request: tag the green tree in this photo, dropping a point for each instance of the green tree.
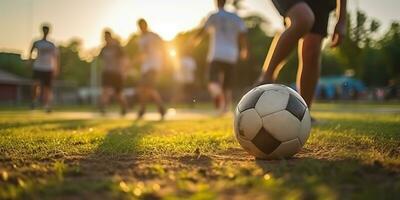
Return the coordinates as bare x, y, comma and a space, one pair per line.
359, 37
259, 43
72, 67
13, 63
390, 46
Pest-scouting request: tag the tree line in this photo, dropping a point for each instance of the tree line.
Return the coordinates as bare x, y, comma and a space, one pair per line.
371, 53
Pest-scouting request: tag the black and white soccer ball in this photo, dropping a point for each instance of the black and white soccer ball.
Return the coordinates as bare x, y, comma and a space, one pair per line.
272, 122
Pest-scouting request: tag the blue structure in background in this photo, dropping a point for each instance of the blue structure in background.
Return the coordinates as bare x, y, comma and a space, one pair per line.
338, 87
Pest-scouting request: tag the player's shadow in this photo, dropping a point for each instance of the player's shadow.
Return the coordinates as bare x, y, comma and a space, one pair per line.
116, 155
61, 124
119, 154
316, 172
316, 178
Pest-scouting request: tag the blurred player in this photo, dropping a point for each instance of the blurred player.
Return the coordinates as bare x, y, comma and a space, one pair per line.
112, 76
152, 55
186, 76
306, 25
228, 43
45, 69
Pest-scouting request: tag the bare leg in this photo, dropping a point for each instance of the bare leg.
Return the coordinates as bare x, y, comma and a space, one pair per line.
47, 97
155, 95
300, 20
228, 99
122, 102
309, 66
214, 89
104, 99
142, 97
216, 92
35, 93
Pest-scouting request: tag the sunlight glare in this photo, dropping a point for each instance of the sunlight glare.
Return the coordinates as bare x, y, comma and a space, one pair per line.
172, 52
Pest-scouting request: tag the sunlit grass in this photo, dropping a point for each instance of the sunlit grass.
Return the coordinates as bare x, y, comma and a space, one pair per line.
352, 153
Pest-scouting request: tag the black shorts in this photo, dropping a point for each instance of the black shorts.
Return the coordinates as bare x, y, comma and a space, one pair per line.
149, 79
320, 8
226, 70
45, 78
113, 80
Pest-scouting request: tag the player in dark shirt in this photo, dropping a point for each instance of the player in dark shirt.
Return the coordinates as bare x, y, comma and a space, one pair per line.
112, 74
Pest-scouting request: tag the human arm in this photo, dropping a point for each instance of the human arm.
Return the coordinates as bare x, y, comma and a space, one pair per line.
30, 59
57, 63
243, 45
340, 28
196, 39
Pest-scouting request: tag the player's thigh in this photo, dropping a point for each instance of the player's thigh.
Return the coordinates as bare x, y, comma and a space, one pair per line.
321, 10
301, 16
107, 90
118, 85
47, 80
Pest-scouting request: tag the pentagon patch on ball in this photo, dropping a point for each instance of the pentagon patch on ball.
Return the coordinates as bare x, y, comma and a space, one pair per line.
296, 107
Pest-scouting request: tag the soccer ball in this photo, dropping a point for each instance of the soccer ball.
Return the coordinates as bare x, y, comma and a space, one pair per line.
272, 122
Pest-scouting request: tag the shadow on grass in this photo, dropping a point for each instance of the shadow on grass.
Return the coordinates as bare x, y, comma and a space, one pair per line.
319, 174
117, 158
386, 129
62, 124
117, 152
337, 179
94, 176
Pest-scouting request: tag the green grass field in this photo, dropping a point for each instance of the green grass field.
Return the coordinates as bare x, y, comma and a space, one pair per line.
353, 154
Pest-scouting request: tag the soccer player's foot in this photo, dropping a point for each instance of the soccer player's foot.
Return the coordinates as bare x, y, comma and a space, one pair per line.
140, 114
48, 109
123, 112
262, 81
217, 102
163, 112
33, 105
314, 121
102, 111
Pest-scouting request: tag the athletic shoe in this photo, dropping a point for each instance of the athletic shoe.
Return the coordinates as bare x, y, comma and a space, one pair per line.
315, 122
48, 109
123, 112
216, 102
140, 114
33, 105
102, 111
163, 112
262, 81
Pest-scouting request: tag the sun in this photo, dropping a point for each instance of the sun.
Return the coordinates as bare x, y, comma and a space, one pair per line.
172, 52
173, 57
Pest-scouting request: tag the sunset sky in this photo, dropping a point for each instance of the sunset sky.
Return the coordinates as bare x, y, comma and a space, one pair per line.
85, 19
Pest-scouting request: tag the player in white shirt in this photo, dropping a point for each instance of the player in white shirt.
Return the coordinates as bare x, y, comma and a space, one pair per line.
228, 43
152, 54
45, 67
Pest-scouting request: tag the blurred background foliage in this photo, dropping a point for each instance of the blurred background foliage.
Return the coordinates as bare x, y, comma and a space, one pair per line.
371, 53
